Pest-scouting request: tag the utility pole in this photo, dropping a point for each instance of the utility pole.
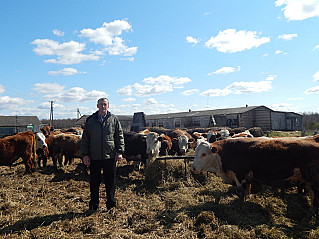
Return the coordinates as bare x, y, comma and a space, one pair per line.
51, 113
78, 113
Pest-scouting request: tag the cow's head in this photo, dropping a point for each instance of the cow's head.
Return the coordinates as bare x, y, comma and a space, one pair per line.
40, 141
206, 158
182, 144
153, 145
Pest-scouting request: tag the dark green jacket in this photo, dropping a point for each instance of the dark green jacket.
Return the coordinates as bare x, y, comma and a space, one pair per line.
102, 141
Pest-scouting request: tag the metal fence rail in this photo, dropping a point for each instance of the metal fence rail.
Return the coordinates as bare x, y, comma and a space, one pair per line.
185, 158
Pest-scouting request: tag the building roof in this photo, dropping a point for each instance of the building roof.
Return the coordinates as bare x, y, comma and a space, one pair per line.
226, 111
82, 119
9, 121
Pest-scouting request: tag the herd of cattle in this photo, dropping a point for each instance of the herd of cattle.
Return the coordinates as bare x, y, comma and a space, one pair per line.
239, 159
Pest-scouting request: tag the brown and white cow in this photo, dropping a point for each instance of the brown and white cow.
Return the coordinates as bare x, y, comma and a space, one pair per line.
20, 145
181, 142
41, 148
153, 145
239, 161
135, 148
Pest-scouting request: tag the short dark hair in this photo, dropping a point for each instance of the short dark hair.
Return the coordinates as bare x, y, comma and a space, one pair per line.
103, 98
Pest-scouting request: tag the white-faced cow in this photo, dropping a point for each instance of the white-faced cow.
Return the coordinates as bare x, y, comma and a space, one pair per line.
239, 161
181, 142
153, 145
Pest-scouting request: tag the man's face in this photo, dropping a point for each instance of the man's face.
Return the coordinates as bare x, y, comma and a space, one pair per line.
102, 105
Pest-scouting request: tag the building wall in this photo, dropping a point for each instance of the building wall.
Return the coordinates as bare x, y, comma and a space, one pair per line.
278, 121
263, 119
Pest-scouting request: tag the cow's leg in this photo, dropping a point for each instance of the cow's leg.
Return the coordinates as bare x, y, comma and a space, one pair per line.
54, 160
247, 184
44, 161
60, 159
233, 178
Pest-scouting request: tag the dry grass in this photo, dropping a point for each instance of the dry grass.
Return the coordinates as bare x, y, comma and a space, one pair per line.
159, 202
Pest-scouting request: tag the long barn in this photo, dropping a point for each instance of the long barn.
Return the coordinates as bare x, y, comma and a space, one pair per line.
248, 117
10, 125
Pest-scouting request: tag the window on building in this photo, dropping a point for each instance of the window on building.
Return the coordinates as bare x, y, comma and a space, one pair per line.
177, 123
196, 122
153, 124
160, 124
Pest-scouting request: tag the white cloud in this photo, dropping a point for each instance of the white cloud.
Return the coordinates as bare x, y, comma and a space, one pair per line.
129, 99
2, 89
66, 72
48, 88
316, 47
287, 37
316, 76
108, 36
278, 52
67, 53
250, 87
190, 92
131, 59
47, 105
243, 87
230, 41
192, 40
151, 101
299, 10
8, 103
154, 86
76, 94
312, 90
216, 92
226, 70
58, 33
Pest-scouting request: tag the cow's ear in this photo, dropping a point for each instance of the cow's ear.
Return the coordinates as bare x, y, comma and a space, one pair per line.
204, 135
174, 139
214, 150
191, 140
160, 138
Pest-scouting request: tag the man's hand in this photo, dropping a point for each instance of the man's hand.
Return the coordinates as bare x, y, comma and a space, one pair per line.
86, 160
118, 157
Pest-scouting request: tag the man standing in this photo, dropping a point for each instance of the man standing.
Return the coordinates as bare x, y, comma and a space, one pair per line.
102, 145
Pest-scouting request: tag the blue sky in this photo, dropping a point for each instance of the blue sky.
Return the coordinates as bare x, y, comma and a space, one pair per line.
158, 56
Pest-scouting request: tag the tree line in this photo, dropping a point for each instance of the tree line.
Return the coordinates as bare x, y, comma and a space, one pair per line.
310, 121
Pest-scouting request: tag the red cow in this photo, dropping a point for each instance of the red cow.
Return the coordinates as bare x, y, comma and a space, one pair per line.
20, 145
166, 145
67, 145
239, 161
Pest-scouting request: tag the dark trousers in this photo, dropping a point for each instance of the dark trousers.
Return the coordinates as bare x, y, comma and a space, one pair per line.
109, 175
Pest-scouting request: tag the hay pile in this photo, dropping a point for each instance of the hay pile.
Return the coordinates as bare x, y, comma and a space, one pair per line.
158, 202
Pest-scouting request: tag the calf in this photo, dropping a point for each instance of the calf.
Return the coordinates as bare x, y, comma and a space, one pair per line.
239, 161
67, 145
